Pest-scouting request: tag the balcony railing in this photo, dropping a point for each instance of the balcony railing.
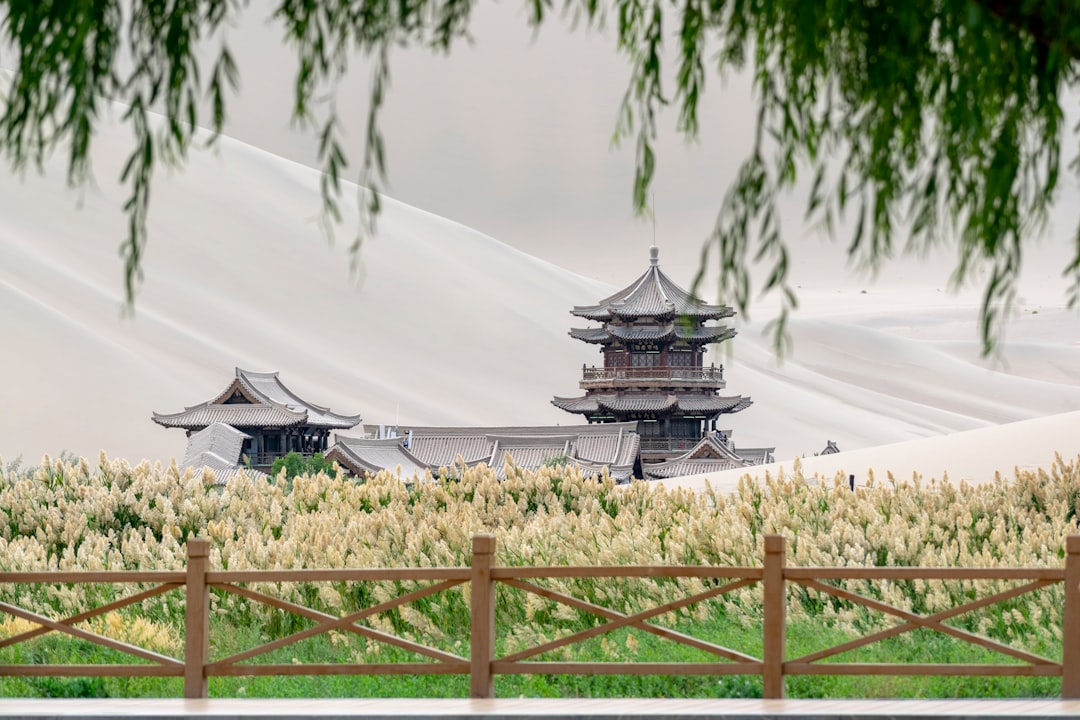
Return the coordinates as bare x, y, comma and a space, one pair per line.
712, 373
667, 445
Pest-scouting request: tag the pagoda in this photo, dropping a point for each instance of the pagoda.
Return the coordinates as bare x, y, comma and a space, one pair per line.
652, 336
272, 420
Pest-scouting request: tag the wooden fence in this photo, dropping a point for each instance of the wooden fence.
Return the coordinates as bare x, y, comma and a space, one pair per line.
483, 664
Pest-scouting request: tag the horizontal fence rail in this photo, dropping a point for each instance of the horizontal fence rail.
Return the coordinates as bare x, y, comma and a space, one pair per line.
483, 664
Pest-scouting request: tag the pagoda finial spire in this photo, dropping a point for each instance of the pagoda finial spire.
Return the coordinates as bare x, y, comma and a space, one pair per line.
654, 255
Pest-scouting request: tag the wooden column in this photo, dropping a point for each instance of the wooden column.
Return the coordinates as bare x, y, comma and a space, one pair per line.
197, 619
482, 682
775, 610
1070, 656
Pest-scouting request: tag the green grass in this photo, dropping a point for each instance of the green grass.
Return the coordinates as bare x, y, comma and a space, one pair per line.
803, 637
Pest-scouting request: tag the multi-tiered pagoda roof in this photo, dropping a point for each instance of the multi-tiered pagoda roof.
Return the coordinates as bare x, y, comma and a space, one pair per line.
655, 296
652, 337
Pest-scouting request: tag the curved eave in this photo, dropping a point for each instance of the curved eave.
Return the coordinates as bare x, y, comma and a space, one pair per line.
201, 416
591, 312
653, 294
714, 405
616, 472
333, 421
704, 335
318, 415
638, 404
643, 334
663, 471
362, 456
597, 336
580, 405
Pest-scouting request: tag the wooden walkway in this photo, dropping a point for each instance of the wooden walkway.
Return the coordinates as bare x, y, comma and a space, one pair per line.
535, 709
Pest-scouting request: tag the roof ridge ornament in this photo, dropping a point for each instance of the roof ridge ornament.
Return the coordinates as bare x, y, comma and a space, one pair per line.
654, 255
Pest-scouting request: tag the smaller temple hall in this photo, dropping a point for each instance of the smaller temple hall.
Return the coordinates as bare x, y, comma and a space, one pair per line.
272, 420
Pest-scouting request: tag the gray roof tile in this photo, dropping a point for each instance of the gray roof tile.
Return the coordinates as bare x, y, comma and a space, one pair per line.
269, 404
590, 447
367, 455
203, 416
652, 295
217, 447
707, 404
710, 454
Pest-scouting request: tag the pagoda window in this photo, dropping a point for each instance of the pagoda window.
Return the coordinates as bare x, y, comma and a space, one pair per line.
680, 359
650, 428
683, 427
614, 358
647, 359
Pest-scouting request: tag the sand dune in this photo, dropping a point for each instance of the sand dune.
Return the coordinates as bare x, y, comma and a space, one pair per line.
443, 325
975, 456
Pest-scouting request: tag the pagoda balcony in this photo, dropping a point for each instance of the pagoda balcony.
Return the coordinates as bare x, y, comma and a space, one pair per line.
666, 446
604, 377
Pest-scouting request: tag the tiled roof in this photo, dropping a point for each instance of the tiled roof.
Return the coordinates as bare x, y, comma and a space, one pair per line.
757, 456
609, 332
681, 468
268, 386
831, 448
202, 416
216, 447
642, 332
713, 453
265, 402
630, 403
704, 333
215, 441
524, 457
362, 455
444, 450
591, 335
651, 295
590, 447
707, 404
599, 447
534, 457
621, 473
586, 404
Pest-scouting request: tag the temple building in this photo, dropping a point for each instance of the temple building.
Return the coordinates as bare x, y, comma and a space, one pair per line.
412, 451
651, 407
268, 420
652, 336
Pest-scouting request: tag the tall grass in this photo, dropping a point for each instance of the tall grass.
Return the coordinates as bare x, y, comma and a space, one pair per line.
64, 516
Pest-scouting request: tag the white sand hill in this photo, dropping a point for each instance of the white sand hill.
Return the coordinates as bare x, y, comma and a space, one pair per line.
443, 326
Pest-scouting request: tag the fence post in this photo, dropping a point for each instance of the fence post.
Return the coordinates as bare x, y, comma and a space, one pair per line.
775, 609
1070, 638
482, 622
197, 619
